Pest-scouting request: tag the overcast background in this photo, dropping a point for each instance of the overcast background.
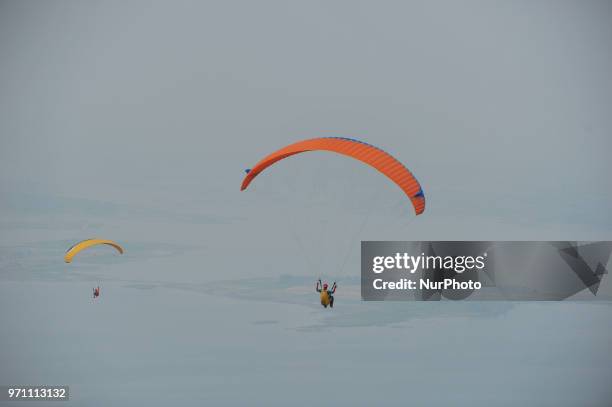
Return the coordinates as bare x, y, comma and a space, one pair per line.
134, 121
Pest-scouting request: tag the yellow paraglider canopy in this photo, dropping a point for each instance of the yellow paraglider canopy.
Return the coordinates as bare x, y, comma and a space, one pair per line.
72, 251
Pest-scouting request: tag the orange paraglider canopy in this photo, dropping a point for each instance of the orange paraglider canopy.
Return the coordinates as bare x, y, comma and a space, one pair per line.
359, 150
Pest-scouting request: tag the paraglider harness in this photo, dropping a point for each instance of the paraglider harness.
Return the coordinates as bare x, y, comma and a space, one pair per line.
319, 288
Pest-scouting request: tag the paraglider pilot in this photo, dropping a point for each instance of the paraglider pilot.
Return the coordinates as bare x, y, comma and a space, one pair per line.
327, 295
96, 292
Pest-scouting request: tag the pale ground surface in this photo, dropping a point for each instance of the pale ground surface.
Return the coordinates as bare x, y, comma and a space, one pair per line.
177, 323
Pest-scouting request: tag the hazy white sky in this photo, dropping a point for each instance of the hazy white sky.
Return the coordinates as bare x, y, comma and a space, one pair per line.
483, 100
